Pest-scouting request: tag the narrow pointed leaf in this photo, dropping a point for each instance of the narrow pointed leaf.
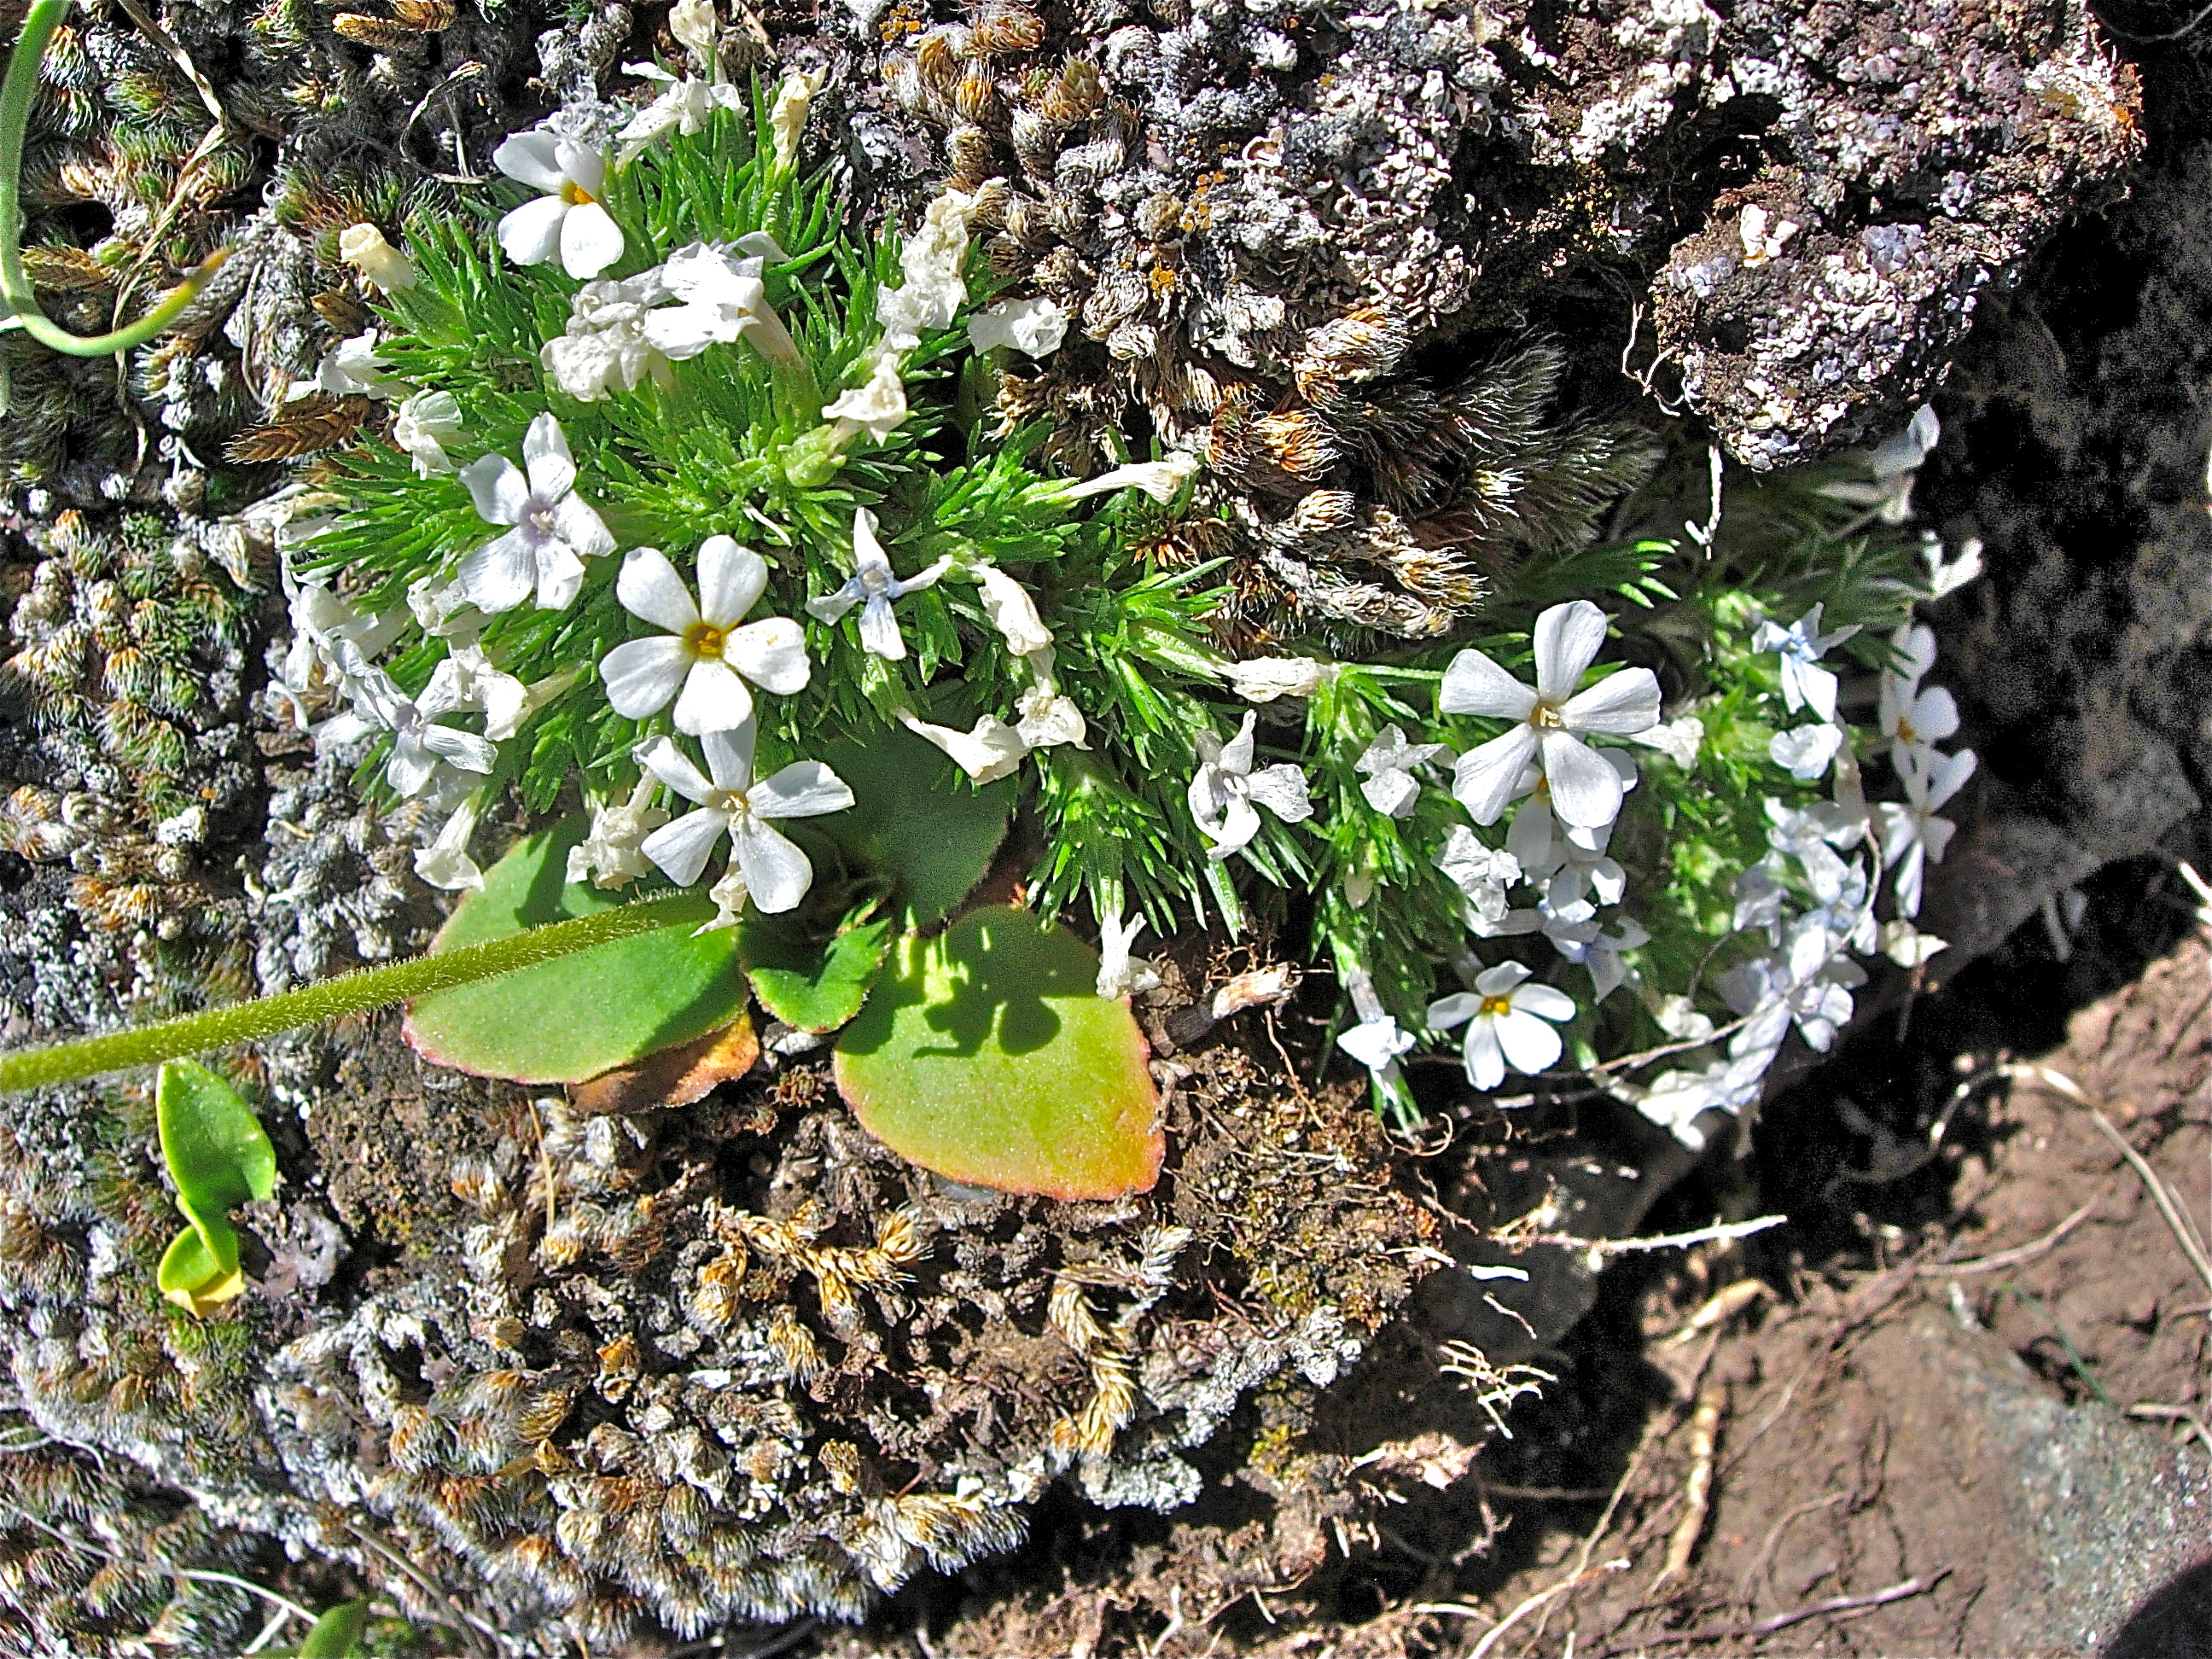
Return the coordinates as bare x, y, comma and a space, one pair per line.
987, 1055
582, 1014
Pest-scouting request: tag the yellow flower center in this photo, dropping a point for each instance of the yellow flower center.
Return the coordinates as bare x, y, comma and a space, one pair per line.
1905, 733
1546, 717
1493, 1006
576, 196
703, 639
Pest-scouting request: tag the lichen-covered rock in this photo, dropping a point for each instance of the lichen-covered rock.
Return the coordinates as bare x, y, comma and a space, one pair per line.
737, 1362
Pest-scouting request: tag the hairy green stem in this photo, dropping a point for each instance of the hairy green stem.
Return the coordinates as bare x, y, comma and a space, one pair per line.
347, 994
18, 300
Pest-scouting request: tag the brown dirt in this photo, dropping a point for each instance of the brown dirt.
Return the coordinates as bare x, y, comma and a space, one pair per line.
1921, 1417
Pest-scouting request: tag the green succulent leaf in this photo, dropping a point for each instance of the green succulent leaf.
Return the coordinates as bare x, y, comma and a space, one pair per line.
987, 1055
916, 819
219, 1157
815, 984
338, 1633
585, 1014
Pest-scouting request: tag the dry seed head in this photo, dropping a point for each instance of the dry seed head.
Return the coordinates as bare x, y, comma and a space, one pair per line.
841, 1461
976, 95
618, 1368
796, 1347
939, 59
379, 33
841, 1309
902, 81
1113, 1403
65, 270
1069, 1313
1296, 442
1008, 27
1072, 94
431, 17
476, 1182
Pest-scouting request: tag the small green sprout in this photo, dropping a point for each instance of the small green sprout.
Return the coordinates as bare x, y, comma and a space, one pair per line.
220, 1158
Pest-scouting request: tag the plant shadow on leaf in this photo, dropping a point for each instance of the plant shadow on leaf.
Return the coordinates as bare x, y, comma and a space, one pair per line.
987, 1055
914, 818
581, 1015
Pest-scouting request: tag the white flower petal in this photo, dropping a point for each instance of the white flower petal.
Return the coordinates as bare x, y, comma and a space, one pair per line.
1546, 1000
463, 749
682, 846
1392, 794
532, 234
771, 653
583, 530
532, 159
1622, 704
590, 240
879, 630
1486, 1060
1238, 824
560, 576
499, 576
803, 789
714, 698
832, 606
776, 873
1585, 790
1567, 641
411, 767
1473, 685
1484, 779
731, 578
730, 756
1456, 1009
1282, 790
545, 457
648, 586
498, 487
1530, 1045
672, 767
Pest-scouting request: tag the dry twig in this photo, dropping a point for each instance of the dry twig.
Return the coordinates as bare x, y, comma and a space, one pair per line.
1835, 1604
2014, 1257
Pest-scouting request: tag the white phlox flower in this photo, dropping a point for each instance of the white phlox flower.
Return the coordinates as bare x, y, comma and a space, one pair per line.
506, 701
1678, 740
1675, 1099
1810, 983
787, 119
1536, 835
1805, 684
445, 863
873, 588
363, 247
1907, 946
605, 348
1806, 752
877, 406
1911, 718
1162, 480
1843, 909
709, 651
1813, 836
1891, 467
1585, 869
1263, 679
727, 801
1947, 577
1044, 717
1550, 720
696, 28
723, 298
330, 634
1912, 836
684, 106
1481, 872
1033, 327
418, 742
1389, 770
1120, 974
423, 425
1586, 944
354, 369
1758, 897
1376, 1041
987, 751
611, 854
1224, 794
1509, 1019
930, 259
1011, 611
554, 530
567, 219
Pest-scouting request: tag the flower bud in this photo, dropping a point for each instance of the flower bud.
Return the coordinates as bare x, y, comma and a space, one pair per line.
363, 247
